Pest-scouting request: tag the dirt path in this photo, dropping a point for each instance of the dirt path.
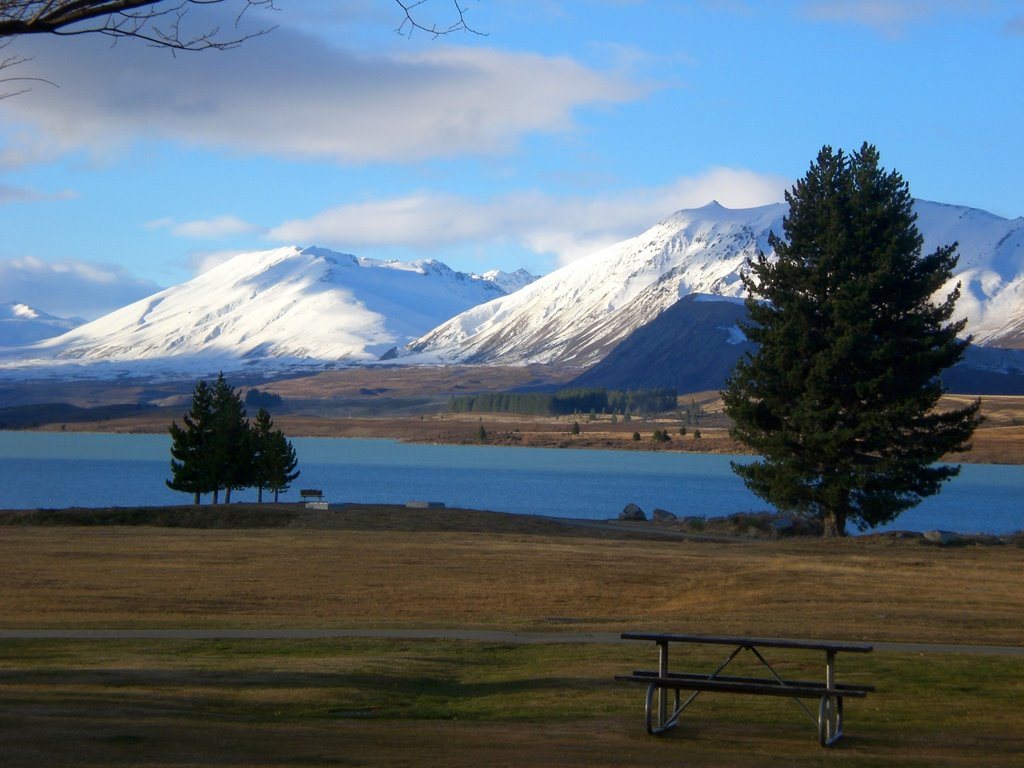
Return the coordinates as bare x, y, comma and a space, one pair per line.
471, 635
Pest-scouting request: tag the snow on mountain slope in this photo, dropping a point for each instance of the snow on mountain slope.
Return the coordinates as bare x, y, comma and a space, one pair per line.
990, 270
21, 324
577, 314
277, 307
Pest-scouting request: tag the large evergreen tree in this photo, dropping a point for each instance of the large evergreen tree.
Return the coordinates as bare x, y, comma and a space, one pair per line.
840, 398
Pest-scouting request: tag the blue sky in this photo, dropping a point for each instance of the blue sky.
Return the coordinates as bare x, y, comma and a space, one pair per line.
563, 128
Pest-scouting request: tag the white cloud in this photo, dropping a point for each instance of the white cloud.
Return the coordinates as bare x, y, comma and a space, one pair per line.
890, 17
213, 229
11, 194
70, 288
291, 94
567, 228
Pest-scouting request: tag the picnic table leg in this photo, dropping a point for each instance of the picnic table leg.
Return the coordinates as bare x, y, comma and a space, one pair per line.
656, 714
662, 672
830, 710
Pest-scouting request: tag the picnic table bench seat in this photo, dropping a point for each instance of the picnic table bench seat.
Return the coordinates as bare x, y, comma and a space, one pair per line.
766, 686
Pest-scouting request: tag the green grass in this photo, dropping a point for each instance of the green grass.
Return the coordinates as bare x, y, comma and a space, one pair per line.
144, 702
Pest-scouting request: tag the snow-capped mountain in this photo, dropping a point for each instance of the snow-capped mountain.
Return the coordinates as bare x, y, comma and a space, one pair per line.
21, 324
281, 307
311, 307
577, 314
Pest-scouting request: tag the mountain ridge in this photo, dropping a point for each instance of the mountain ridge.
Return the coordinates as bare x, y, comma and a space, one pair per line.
313, 308
577, 314
287, 306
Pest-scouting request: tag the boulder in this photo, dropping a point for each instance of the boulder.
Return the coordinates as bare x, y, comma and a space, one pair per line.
942, 538
662, 516
782, 525
632, 512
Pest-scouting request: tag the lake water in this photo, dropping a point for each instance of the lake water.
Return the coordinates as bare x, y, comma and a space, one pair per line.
47, 469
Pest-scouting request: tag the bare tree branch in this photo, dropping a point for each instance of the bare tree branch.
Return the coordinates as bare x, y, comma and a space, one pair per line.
157, 22
160, 23
411, 23
13, 61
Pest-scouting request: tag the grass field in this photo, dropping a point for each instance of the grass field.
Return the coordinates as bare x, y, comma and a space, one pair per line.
459, 703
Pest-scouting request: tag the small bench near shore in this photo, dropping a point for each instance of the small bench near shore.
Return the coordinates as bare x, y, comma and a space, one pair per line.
313, 498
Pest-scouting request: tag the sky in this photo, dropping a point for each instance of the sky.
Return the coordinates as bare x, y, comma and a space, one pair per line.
550, 129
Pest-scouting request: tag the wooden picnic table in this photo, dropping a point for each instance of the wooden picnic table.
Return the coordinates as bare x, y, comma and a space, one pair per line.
663, 682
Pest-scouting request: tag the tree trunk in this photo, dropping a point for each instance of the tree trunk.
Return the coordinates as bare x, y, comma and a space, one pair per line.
259, 494
834, 524
195, 498
216, 495
227, 495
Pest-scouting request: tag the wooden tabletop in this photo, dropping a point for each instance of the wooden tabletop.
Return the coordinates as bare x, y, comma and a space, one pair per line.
750, 642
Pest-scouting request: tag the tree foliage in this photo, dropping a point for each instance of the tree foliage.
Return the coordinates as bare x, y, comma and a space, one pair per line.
231, 457
274, 460
840, 397
218, 449
191, 446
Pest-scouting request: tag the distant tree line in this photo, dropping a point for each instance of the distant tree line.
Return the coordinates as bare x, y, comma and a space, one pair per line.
258, 398
567, 402
217, 448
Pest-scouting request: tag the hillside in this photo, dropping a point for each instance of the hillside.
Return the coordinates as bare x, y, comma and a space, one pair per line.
266, 311
577, 314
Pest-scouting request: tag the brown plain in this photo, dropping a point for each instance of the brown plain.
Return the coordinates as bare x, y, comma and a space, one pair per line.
258, 703
390, 567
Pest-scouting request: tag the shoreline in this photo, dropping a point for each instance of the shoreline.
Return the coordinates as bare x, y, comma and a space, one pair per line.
1003, 446
736, 528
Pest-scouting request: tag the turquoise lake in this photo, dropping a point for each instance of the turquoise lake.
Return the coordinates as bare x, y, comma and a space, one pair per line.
57, 469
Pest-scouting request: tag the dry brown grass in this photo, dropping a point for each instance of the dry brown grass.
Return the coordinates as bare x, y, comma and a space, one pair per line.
873, 589
426, 703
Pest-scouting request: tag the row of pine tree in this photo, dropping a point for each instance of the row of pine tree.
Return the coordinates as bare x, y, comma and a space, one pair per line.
218, 448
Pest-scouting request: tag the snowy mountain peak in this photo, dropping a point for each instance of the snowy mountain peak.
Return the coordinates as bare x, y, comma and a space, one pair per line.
23, 311
577, 314
270, 309
21, 324
311, 306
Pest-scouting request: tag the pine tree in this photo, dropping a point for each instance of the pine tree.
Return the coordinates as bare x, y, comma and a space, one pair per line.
274, 459
218, 449
840, 397
261, 430
232, 449
191, 446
